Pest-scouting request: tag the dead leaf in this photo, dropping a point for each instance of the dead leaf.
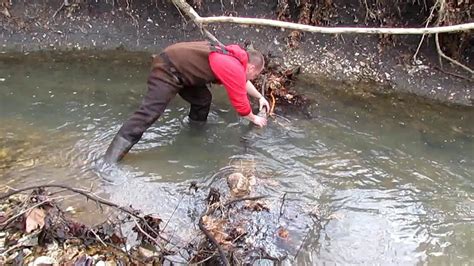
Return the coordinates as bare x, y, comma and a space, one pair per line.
147, 253
283, 233
216, 229
257, 206
35, 219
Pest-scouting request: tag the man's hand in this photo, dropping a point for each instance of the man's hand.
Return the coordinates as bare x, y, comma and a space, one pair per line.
260, 121
263, 103
257, 120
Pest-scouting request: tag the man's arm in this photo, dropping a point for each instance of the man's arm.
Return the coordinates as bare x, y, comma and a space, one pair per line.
252, 91
231, 74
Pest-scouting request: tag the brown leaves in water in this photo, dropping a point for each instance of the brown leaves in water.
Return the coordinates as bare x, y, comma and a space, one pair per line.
283, 233
150, 226
256, 206
239, 184
35, 219
277, 81
217, 229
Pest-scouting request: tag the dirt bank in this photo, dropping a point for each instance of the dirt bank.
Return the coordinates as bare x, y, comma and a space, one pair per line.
150, 25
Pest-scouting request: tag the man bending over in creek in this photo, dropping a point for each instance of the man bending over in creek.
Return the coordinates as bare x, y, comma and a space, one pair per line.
185, 69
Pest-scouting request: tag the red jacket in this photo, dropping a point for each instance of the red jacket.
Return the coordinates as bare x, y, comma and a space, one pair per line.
230, 70
199, 65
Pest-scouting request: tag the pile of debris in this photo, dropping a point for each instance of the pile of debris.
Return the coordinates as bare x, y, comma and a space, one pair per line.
277, 81
36, 231
239, 224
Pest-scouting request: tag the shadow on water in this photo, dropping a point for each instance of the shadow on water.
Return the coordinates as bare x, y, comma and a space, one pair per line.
392, 178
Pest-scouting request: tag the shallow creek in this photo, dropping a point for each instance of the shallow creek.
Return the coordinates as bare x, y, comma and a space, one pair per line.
392, 178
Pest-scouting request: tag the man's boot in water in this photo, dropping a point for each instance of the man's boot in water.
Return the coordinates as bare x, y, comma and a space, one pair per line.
117, 149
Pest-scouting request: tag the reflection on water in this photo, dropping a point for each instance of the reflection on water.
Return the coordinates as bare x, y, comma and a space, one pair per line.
392, 178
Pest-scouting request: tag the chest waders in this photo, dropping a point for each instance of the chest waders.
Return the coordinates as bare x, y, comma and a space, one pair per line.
164, 82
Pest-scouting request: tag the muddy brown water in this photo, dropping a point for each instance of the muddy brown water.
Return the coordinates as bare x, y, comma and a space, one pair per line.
392, 179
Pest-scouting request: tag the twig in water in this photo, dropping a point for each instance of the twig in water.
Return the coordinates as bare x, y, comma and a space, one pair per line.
88, 195
85, 193
13, 218
281, 206
217, 175
302, 243
273, 102
147, 235
177, 205
206, 259
242, 199
212, 239
98, 238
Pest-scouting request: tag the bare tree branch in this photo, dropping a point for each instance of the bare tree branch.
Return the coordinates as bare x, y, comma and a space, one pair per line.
194, 16
85, 193
209, 236
189, 11
335, 30
441, 53
426, 26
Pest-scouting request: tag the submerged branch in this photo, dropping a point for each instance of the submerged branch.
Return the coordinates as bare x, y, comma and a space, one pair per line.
211, 238
85, 193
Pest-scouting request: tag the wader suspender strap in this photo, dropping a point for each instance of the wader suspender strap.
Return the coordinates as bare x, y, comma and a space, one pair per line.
219, 48
179, 78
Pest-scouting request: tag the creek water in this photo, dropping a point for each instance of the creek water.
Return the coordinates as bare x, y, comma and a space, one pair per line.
392, 179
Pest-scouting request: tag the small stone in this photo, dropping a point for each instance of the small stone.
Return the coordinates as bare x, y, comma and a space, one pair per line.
70, 209
100, 263
27, 251
44, 261
239, 185
147, 253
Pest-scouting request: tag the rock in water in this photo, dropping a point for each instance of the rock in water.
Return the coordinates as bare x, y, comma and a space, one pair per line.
239, 185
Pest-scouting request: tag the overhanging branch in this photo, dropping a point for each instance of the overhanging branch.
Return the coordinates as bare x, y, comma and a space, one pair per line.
200, 21
194, 16
334, 30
